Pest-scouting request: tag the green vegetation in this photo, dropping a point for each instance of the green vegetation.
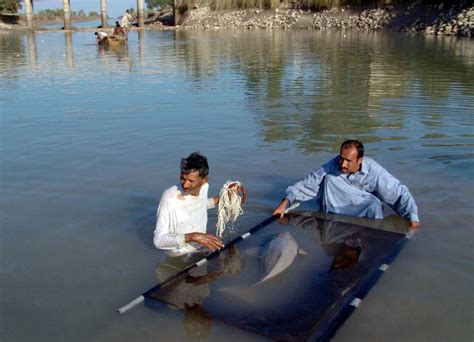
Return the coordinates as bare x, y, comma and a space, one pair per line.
9, 6
49, 14
155, 3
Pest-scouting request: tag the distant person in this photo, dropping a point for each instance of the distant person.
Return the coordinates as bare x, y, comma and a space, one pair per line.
126, 19
101, 36
118, 30
354, 185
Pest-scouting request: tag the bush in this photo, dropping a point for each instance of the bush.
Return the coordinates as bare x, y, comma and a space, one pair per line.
9, 6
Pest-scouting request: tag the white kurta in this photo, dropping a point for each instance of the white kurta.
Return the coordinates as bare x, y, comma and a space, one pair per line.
179, 214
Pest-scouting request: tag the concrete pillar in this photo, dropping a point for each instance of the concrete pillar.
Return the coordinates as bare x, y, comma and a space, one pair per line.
29, 13
103, 13
179, 12
67, 14
141, 19
176, 12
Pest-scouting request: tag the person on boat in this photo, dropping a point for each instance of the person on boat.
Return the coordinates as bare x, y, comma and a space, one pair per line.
101, 36
126, 19
354, 185
118, 30
182, 212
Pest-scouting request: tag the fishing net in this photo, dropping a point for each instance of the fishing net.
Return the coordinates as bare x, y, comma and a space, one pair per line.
307, 296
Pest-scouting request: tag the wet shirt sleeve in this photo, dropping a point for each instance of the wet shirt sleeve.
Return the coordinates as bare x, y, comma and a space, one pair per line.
391, 191
210, 203
165, 237
308, 188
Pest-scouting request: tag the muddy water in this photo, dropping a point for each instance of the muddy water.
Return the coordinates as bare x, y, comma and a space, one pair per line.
90, 137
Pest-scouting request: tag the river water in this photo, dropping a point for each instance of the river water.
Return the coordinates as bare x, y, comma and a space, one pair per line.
90, 137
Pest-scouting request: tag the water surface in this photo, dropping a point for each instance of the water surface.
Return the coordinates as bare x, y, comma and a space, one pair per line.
90, 137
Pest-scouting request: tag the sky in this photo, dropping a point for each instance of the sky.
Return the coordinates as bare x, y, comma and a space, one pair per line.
115, 8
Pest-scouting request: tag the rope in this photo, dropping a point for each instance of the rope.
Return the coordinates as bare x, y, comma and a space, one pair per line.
229, 206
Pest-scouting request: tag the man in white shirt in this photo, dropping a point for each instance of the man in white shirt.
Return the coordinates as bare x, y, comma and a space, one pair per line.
126, 18
101, 37
182, 212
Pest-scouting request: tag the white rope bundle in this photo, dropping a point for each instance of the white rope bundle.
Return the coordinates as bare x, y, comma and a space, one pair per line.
229, 205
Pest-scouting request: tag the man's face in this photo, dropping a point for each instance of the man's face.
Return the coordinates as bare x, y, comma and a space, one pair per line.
348, 160
191, 182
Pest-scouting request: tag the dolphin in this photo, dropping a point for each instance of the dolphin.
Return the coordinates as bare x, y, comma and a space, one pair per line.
276, 257
279, 255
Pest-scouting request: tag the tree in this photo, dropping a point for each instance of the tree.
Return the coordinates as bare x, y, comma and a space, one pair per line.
154, 3
9, 6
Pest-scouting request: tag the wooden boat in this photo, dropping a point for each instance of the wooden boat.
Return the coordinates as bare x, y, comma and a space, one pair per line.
114, 40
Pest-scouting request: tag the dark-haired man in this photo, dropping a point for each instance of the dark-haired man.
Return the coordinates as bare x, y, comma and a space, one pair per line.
182, 212
354, 185
118, 30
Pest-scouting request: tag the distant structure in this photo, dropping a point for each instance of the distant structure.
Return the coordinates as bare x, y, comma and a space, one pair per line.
29, 13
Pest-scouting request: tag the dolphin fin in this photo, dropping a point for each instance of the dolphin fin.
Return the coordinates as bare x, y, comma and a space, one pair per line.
302, 252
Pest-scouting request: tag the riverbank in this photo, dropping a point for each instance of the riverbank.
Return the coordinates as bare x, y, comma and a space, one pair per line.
452, 20
40, 23
439, 19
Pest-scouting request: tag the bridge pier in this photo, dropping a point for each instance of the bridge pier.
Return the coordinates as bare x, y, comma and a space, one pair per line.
67, 14
177, 12
141, 19
103, 13
29, 13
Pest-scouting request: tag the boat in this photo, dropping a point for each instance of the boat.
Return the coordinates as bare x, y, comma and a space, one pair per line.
114, 40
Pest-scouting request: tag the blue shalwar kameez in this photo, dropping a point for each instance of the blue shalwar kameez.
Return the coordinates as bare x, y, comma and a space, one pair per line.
358, 194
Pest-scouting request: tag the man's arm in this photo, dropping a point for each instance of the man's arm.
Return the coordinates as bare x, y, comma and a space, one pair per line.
163, 237
306, 189
208, 240
391, 191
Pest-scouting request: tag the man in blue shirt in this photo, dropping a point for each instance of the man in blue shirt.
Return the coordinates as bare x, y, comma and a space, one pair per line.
354, 185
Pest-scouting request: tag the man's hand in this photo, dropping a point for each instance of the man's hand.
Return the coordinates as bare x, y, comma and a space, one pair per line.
208, 240
414, 225
239, 189
280, 210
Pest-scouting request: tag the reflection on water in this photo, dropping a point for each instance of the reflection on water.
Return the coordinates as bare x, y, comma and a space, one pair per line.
90, 137
32, 50
141, 45
69, 49
120, 52
314, 91
189, 291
